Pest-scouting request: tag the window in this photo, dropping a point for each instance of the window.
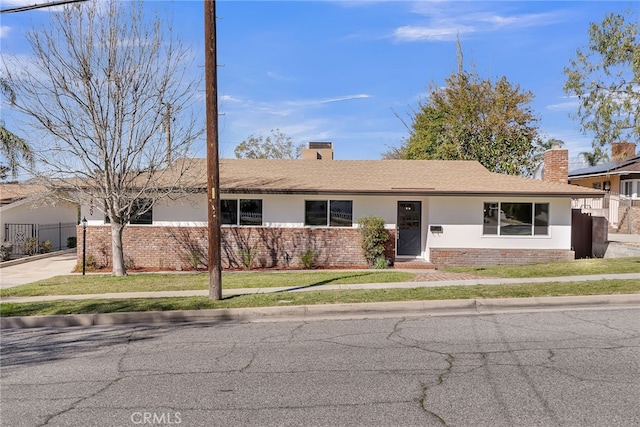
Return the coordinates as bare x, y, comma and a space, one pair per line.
341, 213
241, 212
250, 212
516, 219
139, 205
630, 188
335, 213
146, 217
229, 212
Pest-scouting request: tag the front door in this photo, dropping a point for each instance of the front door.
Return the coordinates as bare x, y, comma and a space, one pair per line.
408, 238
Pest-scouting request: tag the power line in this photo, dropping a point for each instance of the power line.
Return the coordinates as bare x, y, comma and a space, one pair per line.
40, 6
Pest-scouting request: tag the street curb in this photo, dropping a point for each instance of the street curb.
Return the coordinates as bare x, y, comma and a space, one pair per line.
328, 311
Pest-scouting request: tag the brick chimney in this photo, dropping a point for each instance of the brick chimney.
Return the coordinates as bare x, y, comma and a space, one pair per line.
622, 150
318, 151
556, 165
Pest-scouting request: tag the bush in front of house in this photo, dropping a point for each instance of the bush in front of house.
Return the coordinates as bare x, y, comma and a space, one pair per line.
45, 247
373, 237
30, 246
6, 248
72, 242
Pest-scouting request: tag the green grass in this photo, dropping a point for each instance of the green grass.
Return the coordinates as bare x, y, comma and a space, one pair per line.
102, 283
600, 287
556, 269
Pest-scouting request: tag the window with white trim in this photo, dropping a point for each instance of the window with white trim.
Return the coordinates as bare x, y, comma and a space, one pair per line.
334, 213
241, 211
630, 188
516, 219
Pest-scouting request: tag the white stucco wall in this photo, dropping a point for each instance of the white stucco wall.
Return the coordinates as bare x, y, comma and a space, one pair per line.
23, 212
460, 217
462, 222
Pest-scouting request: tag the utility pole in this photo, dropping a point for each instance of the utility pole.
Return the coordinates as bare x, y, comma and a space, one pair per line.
213, 175
168, 131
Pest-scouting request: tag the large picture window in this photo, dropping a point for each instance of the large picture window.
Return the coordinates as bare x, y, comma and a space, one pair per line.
516, 219
335, 213
241, 212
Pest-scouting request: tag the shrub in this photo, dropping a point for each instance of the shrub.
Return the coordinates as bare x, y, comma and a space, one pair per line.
5, 251
30, 246
129, 263
90, 264
45, 247
307, 259
381, 263
72, 242
194, 258
373, 237
247, 256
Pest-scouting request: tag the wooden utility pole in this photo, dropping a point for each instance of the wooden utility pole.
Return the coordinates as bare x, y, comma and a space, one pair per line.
213, 175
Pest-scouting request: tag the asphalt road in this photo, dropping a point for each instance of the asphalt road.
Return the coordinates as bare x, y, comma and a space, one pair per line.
565, 368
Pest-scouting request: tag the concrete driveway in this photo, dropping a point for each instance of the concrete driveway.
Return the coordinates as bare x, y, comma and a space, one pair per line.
37, 269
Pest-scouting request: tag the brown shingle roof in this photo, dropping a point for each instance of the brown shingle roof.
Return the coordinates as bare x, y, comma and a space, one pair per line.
10, 193
428, 177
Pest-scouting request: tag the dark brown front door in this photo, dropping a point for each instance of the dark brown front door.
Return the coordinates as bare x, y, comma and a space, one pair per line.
409, 228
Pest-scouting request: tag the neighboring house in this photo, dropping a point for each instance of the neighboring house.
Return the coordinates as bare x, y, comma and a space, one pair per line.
620, 178
28, 210
273, 211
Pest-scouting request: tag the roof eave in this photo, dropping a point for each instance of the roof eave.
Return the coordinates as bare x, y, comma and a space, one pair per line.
413, 192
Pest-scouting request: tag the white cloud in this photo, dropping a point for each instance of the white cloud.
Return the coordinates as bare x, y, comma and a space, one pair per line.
444, 21
4, 31
311, 102
418, 33
570, 103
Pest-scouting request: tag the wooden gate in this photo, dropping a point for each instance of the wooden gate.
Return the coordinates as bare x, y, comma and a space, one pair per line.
581, 234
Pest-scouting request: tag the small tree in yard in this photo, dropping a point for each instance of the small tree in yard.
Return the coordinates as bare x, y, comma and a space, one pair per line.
373, 237
103, 86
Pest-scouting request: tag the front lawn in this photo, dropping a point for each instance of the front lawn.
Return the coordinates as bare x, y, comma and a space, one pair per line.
155, 282
601, 287
577, 267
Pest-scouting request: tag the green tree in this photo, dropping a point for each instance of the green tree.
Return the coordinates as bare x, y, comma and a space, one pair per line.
540, 147
276, 146
14, 150
595, 157
605, 77
475, 119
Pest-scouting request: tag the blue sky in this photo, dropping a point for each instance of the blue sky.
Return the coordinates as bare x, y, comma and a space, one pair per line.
343, 71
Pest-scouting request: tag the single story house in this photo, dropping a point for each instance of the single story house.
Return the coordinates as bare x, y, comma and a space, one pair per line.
275, 211
28, 211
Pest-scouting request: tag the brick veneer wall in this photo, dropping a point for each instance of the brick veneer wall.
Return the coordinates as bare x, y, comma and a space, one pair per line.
445, 257
180, 247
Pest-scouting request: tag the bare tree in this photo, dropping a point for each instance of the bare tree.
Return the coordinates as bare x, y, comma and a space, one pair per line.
97, 87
